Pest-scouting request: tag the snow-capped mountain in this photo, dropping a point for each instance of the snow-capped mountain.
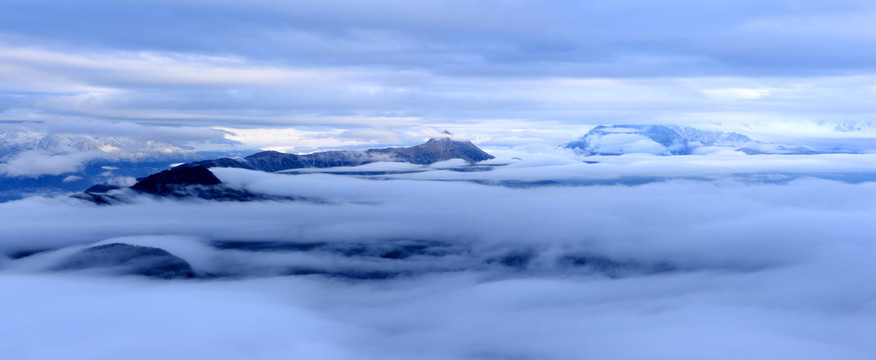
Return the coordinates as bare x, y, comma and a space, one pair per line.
856, 126
682, 140
17, 141
653, 139
430, 152
33, 162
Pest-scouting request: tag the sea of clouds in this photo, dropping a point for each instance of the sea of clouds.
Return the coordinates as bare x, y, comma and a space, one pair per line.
717, 256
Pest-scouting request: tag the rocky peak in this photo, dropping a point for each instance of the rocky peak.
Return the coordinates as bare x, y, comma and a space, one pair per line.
435, 150
169, 181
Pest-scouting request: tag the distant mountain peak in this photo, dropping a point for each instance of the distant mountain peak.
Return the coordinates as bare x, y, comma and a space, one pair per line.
432, 151
856, 126
653, 139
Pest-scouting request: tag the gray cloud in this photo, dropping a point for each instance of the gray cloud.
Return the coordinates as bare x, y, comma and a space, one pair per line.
471, 37
542, 65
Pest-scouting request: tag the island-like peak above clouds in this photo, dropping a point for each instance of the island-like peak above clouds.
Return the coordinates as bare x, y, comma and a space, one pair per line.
653, 139
682, 140
432, 151
195, 179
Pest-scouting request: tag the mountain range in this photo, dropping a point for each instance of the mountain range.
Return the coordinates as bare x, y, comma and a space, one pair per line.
653, 139
682, 140
17, 141
195, 179
37, 162
432, 151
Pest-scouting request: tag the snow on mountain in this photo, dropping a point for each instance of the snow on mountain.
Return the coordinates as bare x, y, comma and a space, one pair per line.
856, 126
653, 139
33, 162
434, 150
17, 141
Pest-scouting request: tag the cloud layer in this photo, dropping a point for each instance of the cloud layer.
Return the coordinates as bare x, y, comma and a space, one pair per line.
682, 268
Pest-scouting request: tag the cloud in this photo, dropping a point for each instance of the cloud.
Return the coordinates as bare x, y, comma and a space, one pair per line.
561, 37
72, 178
371, 135
35, 163
706, 256
505, 111
781, 267
627, 143
154, 95
738, 93
168, 134
57, 147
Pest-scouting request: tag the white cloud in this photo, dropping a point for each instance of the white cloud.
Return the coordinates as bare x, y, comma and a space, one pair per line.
626, 143
72, 178
36, 163
737, 93
767, 261
778, 267
236, 92
149, 68
289, 139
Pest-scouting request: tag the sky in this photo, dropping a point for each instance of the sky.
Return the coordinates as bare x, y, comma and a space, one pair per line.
327, 74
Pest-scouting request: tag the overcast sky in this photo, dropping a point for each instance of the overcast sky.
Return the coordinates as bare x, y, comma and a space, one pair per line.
503, 72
